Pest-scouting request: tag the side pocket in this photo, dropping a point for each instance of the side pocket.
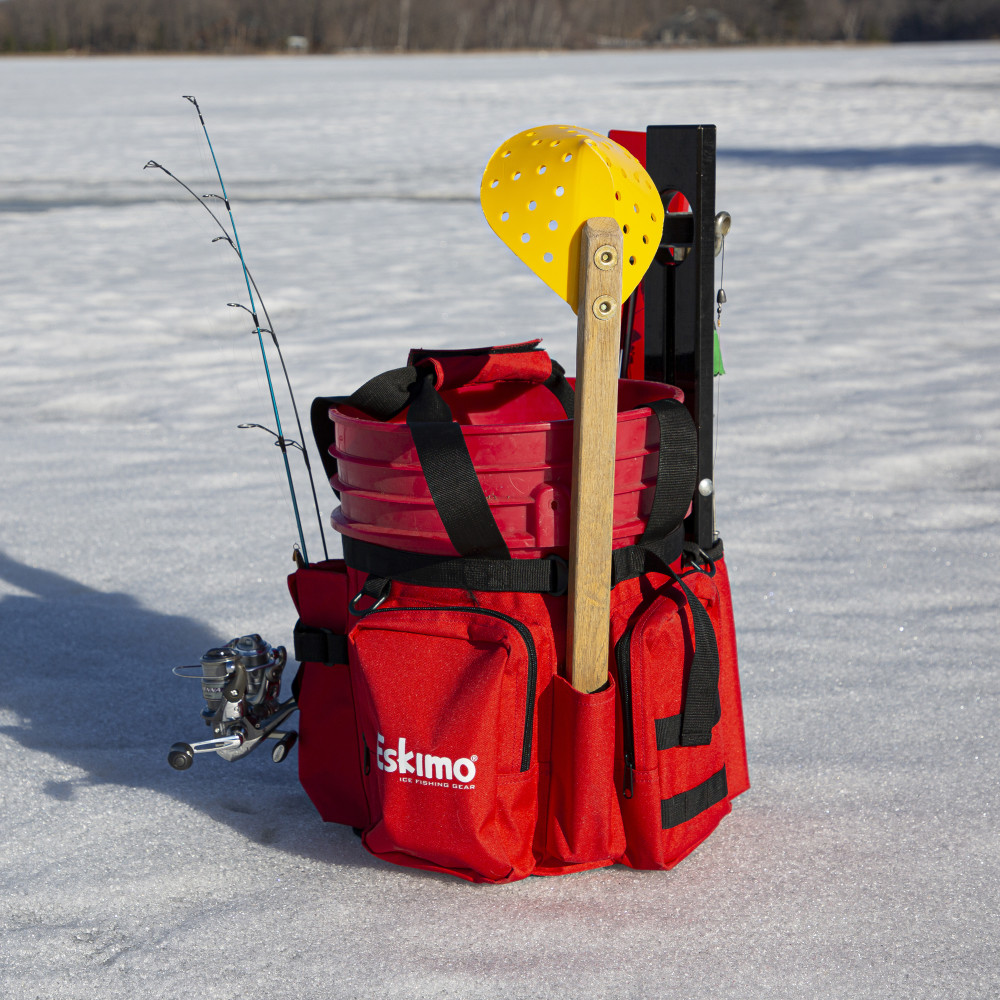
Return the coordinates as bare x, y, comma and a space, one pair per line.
673, 788
584, 821
330, 765
447, 706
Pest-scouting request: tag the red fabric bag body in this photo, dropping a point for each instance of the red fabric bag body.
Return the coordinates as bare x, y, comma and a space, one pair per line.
436, 715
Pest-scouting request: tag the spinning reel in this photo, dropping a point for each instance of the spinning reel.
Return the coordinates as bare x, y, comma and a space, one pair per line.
240, 683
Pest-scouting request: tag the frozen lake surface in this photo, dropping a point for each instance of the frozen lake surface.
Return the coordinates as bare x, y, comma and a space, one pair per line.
859, 490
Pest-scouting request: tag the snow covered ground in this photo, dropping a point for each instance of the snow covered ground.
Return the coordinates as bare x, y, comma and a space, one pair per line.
859, 484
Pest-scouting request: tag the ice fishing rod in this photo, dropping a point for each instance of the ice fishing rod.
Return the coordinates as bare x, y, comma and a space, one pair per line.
259, 330
200, 199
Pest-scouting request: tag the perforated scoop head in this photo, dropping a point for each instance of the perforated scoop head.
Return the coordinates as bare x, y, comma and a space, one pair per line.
541, 185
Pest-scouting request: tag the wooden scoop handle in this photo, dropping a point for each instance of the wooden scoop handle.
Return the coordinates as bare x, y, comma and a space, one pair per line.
594, 428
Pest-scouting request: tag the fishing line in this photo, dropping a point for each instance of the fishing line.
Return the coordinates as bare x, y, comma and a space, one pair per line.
251, 285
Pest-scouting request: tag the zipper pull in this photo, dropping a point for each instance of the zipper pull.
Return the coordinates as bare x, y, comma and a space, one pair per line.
628, 786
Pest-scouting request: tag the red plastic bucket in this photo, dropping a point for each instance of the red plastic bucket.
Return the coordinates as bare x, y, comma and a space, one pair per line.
524, 469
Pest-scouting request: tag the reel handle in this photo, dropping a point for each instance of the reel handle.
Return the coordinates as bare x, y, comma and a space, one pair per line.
181, 755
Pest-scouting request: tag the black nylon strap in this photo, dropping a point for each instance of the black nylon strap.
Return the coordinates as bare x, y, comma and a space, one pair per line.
556, 384
381, 397
676, 470
646, 557
319, 645
385, 395
444, 456
702, 708
525, 576
686, 805
451, 476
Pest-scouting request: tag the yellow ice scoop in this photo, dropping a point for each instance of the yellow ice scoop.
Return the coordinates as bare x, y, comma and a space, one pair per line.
541, 185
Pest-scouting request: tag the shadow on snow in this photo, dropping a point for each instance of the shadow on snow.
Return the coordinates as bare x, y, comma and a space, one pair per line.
88, 683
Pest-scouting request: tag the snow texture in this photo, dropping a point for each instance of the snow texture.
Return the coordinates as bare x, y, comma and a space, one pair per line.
858, 493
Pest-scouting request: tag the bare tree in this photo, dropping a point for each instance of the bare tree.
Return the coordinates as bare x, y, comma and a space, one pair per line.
334, 25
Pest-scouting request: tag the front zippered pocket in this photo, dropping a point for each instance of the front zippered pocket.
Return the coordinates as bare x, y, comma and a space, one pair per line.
447, 698
532, 654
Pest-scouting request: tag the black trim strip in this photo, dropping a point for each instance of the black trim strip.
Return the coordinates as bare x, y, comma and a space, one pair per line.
418, 354
689, 804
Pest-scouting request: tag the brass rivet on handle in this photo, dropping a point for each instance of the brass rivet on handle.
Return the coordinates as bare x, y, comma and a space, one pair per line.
606, 257
605, 307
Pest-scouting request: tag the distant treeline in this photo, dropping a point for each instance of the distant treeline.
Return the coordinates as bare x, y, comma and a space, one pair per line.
458, 25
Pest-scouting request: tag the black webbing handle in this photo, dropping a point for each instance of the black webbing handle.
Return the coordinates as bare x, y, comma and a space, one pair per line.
660, 544
389, 393
702, 707
324, 431
556, 384
451, 477
676, 475
676, 470
381, 397
444, 456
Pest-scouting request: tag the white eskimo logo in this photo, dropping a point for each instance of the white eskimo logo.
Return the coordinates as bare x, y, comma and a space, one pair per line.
423, 765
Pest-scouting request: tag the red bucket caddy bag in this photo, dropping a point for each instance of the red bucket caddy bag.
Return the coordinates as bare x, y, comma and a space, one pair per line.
436, 718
